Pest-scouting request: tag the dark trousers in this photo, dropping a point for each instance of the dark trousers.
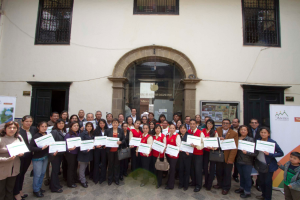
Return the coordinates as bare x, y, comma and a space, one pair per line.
135, 162
196, 171
224, 175
235, 171
185, 162
291, 194
113, 166
209, 170
172, 171
158, 173
54, 181
146, 166
72, 168
245, 177
100, 155
25, 163
64, 167
7, 188
266, 184
123, 166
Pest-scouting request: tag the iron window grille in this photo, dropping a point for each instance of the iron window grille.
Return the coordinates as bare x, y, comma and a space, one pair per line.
54, 22
261, 22
166, 7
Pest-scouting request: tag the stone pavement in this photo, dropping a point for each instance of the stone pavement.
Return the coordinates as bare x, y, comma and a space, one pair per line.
130, 189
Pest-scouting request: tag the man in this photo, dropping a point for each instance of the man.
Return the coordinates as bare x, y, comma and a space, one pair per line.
223, 169
53, 118
197, 160
235, 126
187, 122
98, 115
121, 120
133, 115
205, 120
89, 117
81, 116
175, 118
109, 118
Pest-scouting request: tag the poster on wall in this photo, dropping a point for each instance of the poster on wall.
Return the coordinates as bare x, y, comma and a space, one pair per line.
146, 91
219, 110
284, 121
7, 109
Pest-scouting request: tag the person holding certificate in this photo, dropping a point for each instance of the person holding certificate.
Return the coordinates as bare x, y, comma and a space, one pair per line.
9, 165
208, 166
71, 155
124, 162
100, 154
145, 158
172, 138
185, 161
84, 157
135, 161
268, 159
224, 169
58, 132
244, 163
130, 123
113, 160
39, 160
197, 160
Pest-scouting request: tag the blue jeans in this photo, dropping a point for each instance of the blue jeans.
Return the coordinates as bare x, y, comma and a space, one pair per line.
39, 170
266, 184
245, 176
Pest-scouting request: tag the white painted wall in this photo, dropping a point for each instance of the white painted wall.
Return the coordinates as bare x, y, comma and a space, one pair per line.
209, 32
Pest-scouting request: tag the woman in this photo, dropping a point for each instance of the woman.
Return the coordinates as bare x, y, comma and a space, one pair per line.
26, 132
130, 123
39, 160
244, 163
185, 161
151, 117
152, 127
178, 124
135, 161
71, 155
145, 158
10, 166
268, 159
144, 121
113, 160
172, 139
161, 119
84, 157
58, 132
158, 136
198, 121
74, 118
208, 166
124, 162
100, 154
64, 116
165, 127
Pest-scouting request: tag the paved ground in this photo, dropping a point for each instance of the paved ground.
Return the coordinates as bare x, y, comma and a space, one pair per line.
130, 189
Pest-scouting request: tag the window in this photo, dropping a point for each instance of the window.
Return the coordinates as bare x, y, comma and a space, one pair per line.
170, 7
261, 22
54, 22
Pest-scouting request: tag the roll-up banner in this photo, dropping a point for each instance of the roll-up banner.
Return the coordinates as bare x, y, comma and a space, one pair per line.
7, 110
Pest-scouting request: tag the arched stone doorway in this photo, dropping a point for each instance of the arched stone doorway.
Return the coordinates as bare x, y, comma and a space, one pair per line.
187, 68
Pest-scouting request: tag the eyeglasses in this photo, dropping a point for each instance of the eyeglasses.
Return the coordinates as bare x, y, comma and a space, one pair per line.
225, 123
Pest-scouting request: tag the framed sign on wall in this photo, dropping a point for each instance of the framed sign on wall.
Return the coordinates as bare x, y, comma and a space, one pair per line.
219, 110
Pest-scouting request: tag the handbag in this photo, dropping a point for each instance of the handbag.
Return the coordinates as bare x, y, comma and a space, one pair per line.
260, 166
124, 153
162, 165
216, 156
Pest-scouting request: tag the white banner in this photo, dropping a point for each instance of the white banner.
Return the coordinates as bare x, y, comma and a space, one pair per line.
285, 126
7, 109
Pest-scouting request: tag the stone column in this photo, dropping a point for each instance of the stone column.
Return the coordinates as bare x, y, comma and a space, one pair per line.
190, 96
118, 95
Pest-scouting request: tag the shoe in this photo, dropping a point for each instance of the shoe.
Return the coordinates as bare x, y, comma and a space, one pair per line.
260, 197
38, 194
109, 182
142, 184
58, 191
24, 196
197, 189
47, 182
73, 186
185, 189
180, 187
192, 184
117, 183
167, 188
158, 186
239, 191
224, 192
245, 195
42, 191
236, 179
121, 178
258, 188
125, 174
84, 185
216, 187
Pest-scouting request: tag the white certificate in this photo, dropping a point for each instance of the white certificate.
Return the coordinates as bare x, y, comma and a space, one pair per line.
112, 142
165, 131
17, 148
135, 141
247, 146
49, 129
211, 142
58, 146
93, 122
193, 140
265, 146
144, 148
74, 142
172, 150
86, 144
227, 144
100, 140
158, 146
44, 140
186, 147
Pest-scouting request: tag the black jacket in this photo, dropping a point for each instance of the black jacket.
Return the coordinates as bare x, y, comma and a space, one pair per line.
126, 144
109, 133
84, 156
98, 132
37, 152
23, 133
246, 159
257, 135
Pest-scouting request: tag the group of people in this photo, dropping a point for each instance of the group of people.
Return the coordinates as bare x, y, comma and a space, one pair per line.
102, 163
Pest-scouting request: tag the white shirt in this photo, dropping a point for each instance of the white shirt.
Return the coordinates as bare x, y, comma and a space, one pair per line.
109, 125
133, 118
225, 132
29, 137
